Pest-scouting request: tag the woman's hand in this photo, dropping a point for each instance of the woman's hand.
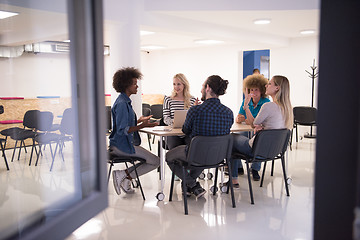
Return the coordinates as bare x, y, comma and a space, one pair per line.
197, 102
240, 118
258, 128
142, 118
147, 123
246, 99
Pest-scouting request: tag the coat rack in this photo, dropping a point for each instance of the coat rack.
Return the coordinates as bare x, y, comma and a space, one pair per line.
312, 75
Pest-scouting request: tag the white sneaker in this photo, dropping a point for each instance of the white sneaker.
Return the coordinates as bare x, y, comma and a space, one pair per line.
126, 186
118, 177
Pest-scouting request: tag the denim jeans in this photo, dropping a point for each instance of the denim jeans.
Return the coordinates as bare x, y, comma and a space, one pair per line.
241, 144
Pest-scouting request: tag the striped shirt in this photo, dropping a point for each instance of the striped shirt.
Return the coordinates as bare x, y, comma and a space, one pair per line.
170, 105
211, 118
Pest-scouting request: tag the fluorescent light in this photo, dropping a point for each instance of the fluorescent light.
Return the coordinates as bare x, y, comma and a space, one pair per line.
208, 41
308, 31
152, 47
4, 14
143, 33
262, 21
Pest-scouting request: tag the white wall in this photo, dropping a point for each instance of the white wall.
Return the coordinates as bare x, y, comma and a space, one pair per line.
159, 67
292, 61
33, 75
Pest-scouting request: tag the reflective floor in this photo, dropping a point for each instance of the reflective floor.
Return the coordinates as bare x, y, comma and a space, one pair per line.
274, 215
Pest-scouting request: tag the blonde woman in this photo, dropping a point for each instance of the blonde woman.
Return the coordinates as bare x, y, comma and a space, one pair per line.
180, 99
273, 115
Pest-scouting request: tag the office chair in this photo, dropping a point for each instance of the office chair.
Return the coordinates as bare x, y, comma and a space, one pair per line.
206, 152
304, 116
135, 161
268, 145
1, 142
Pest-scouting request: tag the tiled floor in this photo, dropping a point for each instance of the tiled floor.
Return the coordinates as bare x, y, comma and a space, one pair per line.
274, 215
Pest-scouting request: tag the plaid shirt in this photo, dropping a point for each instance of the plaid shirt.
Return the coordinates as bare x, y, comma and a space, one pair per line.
211, 118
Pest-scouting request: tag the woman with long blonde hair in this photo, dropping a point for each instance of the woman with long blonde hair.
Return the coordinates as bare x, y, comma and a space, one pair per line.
272, 115
180, 99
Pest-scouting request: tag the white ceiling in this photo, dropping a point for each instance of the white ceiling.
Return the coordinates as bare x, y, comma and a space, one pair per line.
175, 25
232, 27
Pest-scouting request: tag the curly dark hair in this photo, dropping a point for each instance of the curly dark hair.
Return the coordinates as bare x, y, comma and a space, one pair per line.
123, 78
256, 81
217, 84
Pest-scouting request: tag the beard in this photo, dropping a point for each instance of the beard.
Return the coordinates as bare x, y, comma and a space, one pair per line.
203, 96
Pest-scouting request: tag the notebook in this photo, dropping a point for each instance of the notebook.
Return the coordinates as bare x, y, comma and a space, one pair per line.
179, 118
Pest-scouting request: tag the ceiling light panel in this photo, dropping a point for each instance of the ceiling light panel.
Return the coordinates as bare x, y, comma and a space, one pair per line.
262, 21
5, 14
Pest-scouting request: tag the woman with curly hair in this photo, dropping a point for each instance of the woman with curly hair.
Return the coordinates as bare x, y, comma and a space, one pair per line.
124, 139
272, 115
255, 97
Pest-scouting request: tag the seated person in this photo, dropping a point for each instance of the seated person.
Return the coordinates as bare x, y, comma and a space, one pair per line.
211, 118
273, 115
180, 99
125, 126
255, 97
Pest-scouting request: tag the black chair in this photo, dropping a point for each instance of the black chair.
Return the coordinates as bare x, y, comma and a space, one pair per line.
206, 152
146, 111
3, 140
108, 119
28, 132
145, 105
135, 161
304, 116
67, 131
45, 135
268, 145
157, 112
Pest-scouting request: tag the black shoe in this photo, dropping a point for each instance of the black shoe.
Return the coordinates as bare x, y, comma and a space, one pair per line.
241, 171
197, 190
235, 185
255, 175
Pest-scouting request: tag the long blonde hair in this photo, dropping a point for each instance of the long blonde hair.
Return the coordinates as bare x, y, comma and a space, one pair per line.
282, 98
186, 90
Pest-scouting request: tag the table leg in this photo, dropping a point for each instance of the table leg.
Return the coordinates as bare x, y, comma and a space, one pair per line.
160, 196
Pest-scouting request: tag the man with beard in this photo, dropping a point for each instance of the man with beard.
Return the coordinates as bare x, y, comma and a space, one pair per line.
211, 118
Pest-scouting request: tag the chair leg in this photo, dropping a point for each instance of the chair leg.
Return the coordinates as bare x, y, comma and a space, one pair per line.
249, 181
285, 177
184, 192
296, 129
149, 140
111, 165
32, 150
3, 152
12, 158
263, 174
272, 168
37, 155
215, 181
172, 186
137, 177
231, 184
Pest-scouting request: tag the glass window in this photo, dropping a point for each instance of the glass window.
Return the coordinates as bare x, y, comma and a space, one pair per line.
50, 62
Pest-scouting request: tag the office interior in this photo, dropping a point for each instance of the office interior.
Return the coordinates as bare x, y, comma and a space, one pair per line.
174, 29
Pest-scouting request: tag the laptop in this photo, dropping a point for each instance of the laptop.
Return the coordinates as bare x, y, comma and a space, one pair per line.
179, 118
